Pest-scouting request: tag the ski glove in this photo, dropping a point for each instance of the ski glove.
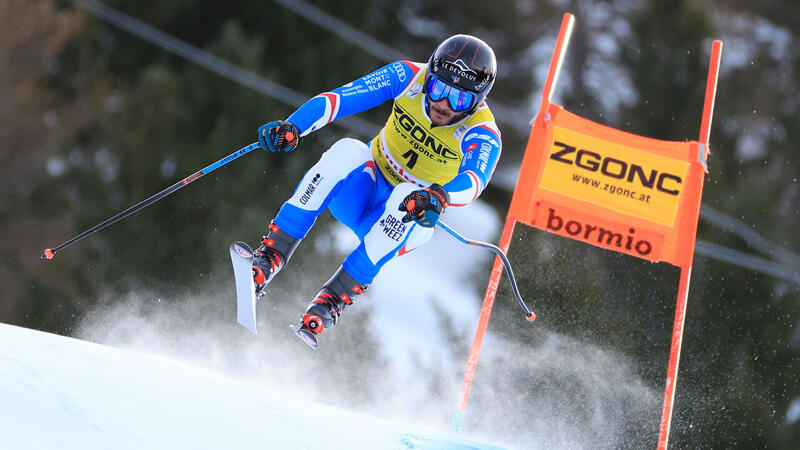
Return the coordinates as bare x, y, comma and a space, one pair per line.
278, 136
425, 205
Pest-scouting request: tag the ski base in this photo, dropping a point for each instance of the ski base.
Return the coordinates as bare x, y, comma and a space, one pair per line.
242, 259
305, 335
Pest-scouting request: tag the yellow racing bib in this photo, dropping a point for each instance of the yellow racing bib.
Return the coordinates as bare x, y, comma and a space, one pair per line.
410, 149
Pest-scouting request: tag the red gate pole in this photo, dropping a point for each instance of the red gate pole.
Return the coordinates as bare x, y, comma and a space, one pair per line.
674, 357
683, 287
564, 33
483, 323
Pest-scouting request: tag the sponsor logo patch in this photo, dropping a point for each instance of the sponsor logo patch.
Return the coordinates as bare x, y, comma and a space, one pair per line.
621, 178
485, 137
310, 189
608, 234
598, 235
420, 139
401, 72
459, 66
392, 227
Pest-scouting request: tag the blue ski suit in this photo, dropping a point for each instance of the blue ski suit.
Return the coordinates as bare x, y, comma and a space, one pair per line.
362, 185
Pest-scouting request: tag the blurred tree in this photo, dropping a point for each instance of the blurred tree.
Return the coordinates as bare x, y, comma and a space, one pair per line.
96, 119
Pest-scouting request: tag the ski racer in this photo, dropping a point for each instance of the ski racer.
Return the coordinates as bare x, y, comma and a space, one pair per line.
438, 148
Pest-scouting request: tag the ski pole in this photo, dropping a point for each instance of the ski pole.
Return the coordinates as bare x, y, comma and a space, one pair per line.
528, 314
50, 252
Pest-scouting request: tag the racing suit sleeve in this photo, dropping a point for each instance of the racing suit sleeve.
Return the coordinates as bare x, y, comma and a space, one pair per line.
360, 95
481, 147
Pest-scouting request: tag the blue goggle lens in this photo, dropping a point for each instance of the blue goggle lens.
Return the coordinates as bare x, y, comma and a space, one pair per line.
459, 100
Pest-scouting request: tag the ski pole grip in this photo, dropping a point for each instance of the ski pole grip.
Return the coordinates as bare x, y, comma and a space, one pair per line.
531, 316
48, 253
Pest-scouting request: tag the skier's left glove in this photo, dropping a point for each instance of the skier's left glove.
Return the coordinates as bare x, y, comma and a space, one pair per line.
278, 136
425, 205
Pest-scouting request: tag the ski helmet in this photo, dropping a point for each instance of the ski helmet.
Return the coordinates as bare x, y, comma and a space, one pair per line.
466, 63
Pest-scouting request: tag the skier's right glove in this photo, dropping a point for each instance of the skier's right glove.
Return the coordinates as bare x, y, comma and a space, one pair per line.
425, 205
278, 136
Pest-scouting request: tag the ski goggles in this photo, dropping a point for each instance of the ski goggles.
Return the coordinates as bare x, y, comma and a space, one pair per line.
458, 99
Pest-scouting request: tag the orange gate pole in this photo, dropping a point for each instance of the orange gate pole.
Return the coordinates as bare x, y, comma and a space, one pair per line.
683, 287
483, 322
564, 33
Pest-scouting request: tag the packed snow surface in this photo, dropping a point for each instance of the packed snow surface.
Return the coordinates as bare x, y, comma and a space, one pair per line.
59, 392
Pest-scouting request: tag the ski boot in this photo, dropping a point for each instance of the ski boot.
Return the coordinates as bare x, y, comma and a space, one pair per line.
323, 312
276, 249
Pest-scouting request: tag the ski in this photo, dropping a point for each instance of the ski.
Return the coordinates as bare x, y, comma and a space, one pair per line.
242, 259
305, 335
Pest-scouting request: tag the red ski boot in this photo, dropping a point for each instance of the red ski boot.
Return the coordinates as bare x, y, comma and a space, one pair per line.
323, 312
275, 250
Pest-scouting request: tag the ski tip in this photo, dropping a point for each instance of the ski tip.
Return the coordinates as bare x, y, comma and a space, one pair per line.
305, 335
249, 324
242, 249
48, 253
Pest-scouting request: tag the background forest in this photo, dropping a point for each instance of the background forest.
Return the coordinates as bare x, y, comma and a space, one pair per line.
94, 119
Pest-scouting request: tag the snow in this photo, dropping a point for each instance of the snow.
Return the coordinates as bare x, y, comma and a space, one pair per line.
165, 378
168, 370
60, 392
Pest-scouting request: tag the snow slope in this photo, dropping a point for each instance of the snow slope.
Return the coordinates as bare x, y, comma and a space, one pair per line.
59, 392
